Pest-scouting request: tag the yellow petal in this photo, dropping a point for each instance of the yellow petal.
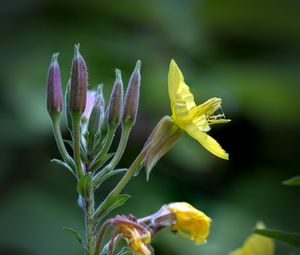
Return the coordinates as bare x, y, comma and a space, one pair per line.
256, 245
206, 141
175, 77
182, 100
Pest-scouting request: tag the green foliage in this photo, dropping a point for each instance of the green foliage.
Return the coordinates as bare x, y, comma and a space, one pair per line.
289, 238
295, 181
110, 204
75, 235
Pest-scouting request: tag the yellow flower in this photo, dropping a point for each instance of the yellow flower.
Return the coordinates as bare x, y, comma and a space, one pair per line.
256, 245
136, 241
193, 119
189, 222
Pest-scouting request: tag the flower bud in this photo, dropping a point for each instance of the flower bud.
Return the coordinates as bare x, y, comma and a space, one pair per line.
54, 93
78, 89
115, 107
161, 140
132, 95
97, 114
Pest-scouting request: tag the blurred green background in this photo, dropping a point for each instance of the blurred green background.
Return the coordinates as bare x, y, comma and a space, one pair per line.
246, 52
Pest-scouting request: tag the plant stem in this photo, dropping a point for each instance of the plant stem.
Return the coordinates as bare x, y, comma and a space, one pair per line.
118, 155
106, 146
121, 147
101, 234
125, 179
77, 136
90, 225
59, 140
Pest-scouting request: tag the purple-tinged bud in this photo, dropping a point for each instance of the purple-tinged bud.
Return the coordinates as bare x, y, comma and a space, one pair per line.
54, 93
115, 107
132, 96
97, 114
79, 83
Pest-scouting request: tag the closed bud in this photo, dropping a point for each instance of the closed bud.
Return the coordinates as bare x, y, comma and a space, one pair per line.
115, 107
132, 95
97, 114
161, 140
54, 93
79, 83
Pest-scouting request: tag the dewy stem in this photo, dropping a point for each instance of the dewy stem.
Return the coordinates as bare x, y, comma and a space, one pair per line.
90, 224
76, 143
59, 140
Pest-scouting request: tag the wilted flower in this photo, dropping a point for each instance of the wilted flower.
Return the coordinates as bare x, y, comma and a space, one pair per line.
190, 222
193, 119
256, 245
136, 240
137, 236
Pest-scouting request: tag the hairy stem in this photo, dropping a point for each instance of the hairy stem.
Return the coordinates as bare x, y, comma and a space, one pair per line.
59, 140
77, 137
90, 224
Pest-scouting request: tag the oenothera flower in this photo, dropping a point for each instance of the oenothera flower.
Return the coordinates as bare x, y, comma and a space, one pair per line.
136, 240
190, 222
256, 245
194, 119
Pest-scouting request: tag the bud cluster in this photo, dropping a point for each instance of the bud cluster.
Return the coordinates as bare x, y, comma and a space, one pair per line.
91, 123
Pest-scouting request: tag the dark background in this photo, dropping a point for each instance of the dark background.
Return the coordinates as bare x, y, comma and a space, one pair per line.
246, 52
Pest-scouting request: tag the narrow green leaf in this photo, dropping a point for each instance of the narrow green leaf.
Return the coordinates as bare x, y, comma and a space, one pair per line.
295, 181
100, 162
104, 175
75, 235
289, 238
85, 185
61, 163
110, 204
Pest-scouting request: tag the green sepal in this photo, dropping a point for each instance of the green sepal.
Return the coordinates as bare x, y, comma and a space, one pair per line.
295, 181
97, 163
75, 235
125, 251
64, 164
104, 175
110, 204
289, 238
85, 185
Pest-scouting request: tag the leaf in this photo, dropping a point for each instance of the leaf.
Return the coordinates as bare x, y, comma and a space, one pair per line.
110, 204
100, 161
85, 185
289, 238
61, 163
104, 175
125, 251
295, 181
75, 235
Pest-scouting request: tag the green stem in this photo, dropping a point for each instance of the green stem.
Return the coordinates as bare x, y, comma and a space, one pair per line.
121, 147
77, 136
101, 234
59, 140
90, 225
107, 144
118, 155
125, 179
